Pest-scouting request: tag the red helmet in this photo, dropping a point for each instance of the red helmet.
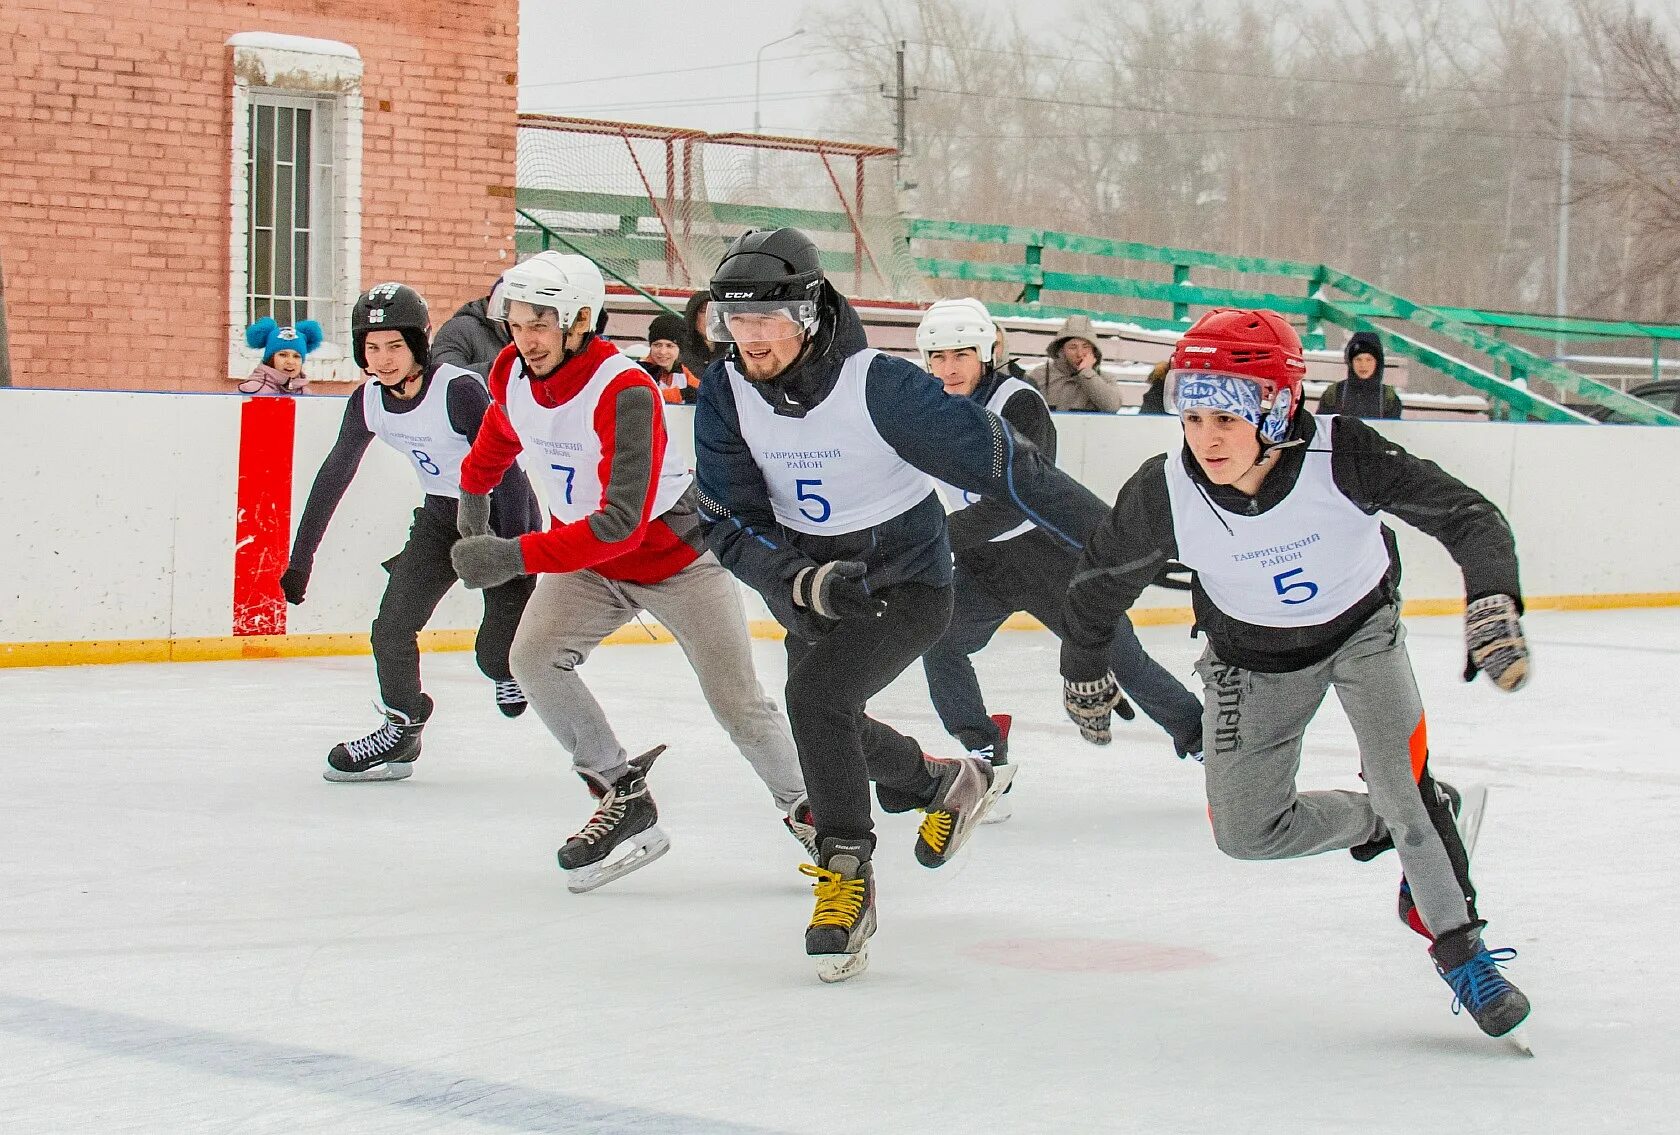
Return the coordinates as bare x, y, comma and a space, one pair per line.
1258, 346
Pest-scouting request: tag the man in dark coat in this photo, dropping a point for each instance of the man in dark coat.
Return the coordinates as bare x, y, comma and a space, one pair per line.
1363, 393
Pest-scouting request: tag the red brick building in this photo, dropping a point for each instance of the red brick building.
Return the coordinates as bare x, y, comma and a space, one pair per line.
172, 169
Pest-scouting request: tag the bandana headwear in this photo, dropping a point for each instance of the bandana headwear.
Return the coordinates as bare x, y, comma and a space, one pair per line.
1234, 395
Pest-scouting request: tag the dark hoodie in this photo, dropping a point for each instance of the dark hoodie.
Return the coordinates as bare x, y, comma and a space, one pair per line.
469, 339
1362, 397
954, 439
696, 354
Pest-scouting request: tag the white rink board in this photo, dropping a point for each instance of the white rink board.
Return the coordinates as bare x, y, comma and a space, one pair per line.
117, 510
199, 934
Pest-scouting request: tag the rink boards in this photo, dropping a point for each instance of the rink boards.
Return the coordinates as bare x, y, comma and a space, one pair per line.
153, 526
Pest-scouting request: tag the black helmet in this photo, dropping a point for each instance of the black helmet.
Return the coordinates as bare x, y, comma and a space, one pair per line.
774, 264
391, 307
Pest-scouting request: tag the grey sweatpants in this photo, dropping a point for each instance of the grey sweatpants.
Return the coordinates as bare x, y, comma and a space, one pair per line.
571, 613
1252, 728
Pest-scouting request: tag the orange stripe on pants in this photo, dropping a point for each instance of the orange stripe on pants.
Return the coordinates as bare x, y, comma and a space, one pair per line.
1420, 746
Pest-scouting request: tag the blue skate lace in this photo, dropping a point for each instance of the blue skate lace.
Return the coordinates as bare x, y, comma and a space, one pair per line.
1478, 980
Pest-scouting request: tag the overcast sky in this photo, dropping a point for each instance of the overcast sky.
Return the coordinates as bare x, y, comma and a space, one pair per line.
593, 59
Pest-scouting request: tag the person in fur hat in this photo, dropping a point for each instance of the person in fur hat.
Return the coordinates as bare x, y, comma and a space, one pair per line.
284, 349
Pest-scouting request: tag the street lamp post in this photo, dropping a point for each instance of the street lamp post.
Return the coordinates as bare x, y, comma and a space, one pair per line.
758, 67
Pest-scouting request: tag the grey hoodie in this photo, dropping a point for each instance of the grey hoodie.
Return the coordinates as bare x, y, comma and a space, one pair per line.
1066, 389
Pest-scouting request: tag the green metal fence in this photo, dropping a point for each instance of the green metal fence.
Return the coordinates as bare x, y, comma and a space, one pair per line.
1467, 348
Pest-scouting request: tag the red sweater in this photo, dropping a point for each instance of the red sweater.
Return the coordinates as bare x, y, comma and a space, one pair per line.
648, 554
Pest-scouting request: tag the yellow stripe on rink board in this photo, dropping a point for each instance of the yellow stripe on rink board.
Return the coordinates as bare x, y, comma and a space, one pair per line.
232, 648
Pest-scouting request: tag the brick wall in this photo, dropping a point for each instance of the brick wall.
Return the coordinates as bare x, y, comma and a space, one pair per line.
114, 182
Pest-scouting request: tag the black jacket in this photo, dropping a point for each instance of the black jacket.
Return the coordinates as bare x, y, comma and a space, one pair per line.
954, 439
470, 340
1362, 397
1137, 539
694, 352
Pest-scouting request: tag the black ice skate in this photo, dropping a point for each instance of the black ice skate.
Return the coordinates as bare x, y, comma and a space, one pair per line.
388, 753
801, 823
622, 836
510, 699
998, 754
838, 936
965, 789
1472, 970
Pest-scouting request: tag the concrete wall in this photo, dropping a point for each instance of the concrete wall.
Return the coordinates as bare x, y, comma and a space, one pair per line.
119, 512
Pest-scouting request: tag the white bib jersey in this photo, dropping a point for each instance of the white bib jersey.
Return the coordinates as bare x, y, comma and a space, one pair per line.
1311, 557
958, 499
566, 450
830, 472
423, 434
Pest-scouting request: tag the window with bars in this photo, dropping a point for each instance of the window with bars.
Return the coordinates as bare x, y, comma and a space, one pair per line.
290, 210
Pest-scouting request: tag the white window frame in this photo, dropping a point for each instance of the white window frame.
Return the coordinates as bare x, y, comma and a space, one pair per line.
327, 77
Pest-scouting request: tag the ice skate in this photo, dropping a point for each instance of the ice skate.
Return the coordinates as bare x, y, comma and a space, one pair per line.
838, 936
965, 789
622, 836
998, 754
1467, 809
1473, 973
388, 753
510, 699
801, 824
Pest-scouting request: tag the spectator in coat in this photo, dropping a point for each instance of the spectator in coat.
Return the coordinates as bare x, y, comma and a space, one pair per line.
698, 352
1072, 378
284, 349
676, 382
470, 339
1363, 393
1155, 398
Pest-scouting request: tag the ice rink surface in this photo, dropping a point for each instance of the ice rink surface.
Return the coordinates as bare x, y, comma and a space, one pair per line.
198, 933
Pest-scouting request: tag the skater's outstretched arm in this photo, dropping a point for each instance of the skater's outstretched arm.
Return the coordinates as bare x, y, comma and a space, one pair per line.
961, 442
1122, 557
735, 511
337, 470
1380, 476
495, 443
990, 516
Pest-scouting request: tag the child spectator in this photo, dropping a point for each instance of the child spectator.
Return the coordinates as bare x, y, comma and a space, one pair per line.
284, 349
675, 381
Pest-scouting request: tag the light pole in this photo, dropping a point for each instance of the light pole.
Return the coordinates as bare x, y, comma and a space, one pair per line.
758, 67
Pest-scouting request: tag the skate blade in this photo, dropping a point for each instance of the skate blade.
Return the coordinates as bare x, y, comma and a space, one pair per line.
839, 967
396, 771
1000, 812
1517, 1039
1469, 823
642, 850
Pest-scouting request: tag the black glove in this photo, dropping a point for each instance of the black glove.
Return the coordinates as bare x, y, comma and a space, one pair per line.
836, 590
1089, 705
1493, 641
487, 561
294, 581
472, 515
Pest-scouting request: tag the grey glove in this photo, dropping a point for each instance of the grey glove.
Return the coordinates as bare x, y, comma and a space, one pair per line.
1493, 641
472, 515
1090, 704
487, 561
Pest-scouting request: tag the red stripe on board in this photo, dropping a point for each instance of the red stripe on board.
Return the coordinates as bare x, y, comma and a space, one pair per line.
263, 521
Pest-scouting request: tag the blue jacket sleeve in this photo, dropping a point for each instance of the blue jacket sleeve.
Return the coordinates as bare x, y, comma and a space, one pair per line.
734, 501
961, 442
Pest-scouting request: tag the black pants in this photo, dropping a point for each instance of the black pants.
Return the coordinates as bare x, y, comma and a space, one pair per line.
1030, 573
421, 575
841, 749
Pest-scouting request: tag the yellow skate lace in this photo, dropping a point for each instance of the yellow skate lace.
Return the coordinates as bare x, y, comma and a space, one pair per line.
839, 899
936, 830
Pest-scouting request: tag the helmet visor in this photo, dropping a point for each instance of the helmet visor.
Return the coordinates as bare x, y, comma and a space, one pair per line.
759, 321
1233, 394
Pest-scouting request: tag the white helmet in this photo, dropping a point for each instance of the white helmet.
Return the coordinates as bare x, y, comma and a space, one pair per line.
953, 324
564, 281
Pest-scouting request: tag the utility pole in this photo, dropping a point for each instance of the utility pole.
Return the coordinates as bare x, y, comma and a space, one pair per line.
901, 98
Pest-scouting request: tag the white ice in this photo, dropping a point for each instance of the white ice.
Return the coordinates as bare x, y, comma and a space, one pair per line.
198, 933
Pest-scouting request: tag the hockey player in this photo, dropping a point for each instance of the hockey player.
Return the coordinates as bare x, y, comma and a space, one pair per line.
430, 414
1275, 510
814, 454
623, 538
1005, 564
